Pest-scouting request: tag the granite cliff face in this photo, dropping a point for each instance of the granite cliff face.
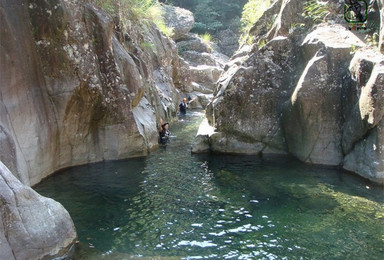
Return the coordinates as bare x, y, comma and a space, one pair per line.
302, 89
77, 88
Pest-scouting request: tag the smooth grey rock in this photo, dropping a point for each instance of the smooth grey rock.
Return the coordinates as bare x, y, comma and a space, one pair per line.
313, 119
193, 43
223, 143
195, 58
201, 99
201, 142
364, 129
228, 41
307, 99
312, 123
250, 95
202, 89
365, 110
367, 156
181, 20
205, 75
31, 226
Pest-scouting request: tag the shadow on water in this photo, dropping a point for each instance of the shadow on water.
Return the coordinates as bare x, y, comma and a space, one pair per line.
174, 205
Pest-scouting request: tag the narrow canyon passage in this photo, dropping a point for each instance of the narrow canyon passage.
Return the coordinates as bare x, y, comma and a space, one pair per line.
174, 205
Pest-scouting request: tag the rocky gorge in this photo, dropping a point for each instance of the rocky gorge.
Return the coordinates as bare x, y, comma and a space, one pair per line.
302, 91
80, 86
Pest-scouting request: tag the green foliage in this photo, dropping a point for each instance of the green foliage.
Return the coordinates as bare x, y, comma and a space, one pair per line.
155, 13
139, 8
353, 49
135, 10
147, 45
206, 37
262, 43
315, 10
207, 17
252, 11
372, 40
297, 27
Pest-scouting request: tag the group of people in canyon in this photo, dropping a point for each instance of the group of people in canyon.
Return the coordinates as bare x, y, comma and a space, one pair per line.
164, 132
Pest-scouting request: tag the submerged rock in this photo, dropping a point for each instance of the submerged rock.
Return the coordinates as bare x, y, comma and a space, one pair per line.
31, 226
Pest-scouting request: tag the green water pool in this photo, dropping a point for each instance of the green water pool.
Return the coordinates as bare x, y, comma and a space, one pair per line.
176, 205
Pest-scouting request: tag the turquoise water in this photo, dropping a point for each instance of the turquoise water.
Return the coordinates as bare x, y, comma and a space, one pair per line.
176, 205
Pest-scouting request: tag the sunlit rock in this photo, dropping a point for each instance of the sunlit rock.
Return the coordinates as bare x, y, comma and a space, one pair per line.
180, 20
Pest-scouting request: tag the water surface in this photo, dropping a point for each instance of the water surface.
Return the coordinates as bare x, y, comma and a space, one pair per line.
176, 205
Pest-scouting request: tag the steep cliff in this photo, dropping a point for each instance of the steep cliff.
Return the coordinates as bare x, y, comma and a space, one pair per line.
77, 88
301, 88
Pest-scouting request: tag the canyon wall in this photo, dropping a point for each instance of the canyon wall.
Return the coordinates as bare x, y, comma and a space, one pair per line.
313, 90
77, 87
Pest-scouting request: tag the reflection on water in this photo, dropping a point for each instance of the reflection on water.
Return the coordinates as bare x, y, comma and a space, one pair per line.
174, 205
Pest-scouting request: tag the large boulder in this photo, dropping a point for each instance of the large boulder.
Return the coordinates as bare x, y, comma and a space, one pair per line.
228, 41
313, 118
193, 43
195, 58
31, 226
365, 110
206, 75
179, 19
248, 102
363, 134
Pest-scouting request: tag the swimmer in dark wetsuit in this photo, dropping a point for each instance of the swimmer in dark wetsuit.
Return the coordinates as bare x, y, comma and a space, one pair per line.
184, 105
164, 132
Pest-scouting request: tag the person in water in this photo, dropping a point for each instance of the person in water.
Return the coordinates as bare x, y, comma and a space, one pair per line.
164, 132
184, 105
